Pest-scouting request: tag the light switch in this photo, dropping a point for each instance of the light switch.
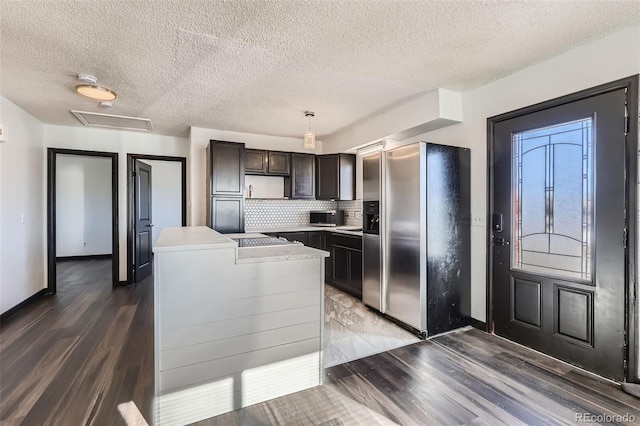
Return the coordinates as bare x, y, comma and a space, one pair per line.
22, 218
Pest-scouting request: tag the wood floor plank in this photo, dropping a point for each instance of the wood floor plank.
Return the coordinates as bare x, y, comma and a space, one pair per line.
72, 358
360, 390
73, 368
545, 408
480, 394
31, 385
574, 395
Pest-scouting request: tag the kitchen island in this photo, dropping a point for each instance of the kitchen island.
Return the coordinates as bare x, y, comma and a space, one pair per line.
234, 326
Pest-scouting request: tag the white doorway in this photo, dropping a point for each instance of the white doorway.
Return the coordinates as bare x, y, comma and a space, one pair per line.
82, 217
83, 207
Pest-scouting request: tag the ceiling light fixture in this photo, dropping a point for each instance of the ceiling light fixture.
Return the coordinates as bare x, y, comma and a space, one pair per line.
90, 89
309, 136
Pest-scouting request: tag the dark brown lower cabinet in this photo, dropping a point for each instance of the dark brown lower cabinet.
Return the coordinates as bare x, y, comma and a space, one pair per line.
341, 259
346, 263
355, 270
328, 261
347, 270
316, 239
295, 236
343, 268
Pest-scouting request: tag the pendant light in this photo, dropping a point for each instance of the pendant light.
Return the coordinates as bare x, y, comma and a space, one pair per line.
309, 136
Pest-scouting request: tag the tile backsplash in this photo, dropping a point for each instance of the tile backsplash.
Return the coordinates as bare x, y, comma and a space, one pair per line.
282, 213
352, 212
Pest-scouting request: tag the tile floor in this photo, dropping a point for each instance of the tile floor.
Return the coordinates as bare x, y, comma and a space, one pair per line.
352, 331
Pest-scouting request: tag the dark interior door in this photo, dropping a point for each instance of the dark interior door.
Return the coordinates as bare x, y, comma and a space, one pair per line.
558, 232
143, 258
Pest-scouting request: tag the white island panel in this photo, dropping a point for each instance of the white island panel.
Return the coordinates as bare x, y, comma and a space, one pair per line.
234, 327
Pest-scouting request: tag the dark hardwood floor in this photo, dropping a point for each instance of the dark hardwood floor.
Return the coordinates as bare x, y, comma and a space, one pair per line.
73, 358
70, 359
466, 377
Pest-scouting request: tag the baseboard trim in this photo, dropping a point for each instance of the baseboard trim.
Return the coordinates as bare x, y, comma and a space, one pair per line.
480, 325
84, 257
20, 306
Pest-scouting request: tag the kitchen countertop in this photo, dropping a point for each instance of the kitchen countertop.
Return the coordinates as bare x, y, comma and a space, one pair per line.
273, 253
190, 238
348, 230
278, 253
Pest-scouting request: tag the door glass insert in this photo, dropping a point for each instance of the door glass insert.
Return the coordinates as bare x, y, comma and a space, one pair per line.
552, 199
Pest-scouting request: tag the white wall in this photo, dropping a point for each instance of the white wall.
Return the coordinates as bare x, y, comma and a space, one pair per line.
198, 174
265, 186
122, 143
83, 205
424, 113
166, 195
22, 191
601, 61
97, 206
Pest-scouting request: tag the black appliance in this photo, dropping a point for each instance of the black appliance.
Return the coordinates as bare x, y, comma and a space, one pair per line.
326, 218
371, 217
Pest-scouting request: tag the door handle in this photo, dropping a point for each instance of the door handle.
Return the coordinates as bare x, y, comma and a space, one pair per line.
497, 241
497, 222
150, 226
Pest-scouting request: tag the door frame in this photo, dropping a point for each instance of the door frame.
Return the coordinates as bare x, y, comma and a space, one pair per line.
631, 191
131, 158
51, 213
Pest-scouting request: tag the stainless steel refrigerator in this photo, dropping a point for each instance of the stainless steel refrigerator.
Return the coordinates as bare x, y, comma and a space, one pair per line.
419, 272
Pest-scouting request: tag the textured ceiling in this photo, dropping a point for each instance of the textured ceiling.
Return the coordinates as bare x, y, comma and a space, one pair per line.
254, 66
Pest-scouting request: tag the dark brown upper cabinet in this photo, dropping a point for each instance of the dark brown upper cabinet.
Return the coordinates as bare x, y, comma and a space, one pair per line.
301, 183
226, 168
279, 163
336, 177
269, 163
256, 161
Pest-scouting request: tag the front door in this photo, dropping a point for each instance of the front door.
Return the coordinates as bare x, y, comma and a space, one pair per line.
143, 256
559, 231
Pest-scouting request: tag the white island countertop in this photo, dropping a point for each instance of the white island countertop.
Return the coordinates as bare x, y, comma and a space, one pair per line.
278, 253
190, 238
